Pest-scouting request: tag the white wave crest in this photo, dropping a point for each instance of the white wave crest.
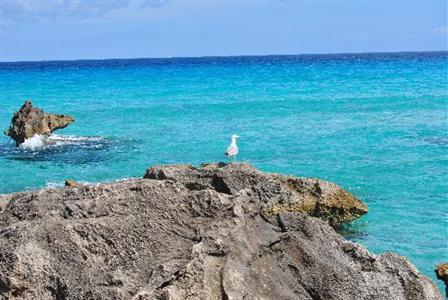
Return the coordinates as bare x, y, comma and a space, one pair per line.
54, 185
60, 140
61, 184
42, 141
36, 142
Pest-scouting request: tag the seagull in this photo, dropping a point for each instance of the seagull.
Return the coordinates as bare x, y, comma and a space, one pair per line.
232, 150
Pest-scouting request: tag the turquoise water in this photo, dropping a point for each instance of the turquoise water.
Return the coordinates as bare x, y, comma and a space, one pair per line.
374, 123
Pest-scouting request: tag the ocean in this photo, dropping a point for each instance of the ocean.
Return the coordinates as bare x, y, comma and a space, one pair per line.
375, 124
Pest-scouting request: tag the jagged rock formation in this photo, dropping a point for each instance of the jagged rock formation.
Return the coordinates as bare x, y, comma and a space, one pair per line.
278, 193
29, 121
442, 274
217, 232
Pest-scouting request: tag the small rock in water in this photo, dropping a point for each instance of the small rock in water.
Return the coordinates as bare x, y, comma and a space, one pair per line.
442, 274
30, 121
71, 183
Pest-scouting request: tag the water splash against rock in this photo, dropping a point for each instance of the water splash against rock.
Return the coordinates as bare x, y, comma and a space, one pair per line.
30, 121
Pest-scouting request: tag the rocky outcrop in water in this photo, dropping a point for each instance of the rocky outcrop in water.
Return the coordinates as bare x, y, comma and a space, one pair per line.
442, 274
216, 232
30, 121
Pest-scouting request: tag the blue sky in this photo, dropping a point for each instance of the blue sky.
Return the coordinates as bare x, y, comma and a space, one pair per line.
82, 29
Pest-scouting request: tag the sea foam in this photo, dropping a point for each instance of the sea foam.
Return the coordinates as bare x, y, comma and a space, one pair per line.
39, 142
36, 142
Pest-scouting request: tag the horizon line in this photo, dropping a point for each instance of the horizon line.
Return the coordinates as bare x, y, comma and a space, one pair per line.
220, 56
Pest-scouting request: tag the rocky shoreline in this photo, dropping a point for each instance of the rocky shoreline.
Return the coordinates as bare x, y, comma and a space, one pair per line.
221, 231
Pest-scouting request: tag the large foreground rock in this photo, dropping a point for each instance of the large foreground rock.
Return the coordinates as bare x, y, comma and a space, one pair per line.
219, 232
29, 121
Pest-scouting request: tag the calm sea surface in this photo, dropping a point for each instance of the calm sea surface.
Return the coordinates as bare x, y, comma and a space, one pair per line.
374, 123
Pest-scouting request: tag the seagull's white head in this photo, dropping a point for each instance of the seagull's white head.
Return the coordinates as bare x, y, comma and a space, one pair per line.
234, 136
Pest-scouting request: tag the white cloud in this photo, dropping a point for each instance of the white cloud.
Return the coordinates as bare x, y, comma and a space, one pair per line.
17, 11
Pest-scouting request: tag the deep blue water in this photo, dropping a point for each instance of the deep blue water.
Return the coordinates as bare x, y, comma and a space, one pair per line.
374, 123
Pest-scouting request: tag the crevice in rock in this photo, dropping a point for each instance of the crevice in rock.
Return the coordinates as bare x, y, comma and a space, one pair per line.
281, 239
135, 189
195, 186
281, 224
266, 218
176, 275
220, 186
60, 292
194, 238
4, 288
18, 291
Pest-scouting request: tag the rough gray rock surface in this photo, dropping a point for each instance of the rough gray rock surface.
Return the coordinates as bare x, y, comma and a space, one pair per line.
171, 238
278, 193
29, 121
